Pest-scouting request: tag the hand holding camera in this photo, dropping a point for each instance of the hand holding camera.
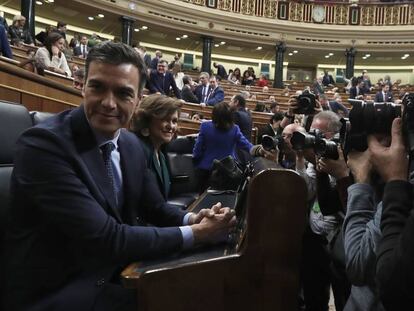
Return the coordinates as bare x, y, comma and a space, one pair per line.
360, 165
305, 103
336, 168
390, 162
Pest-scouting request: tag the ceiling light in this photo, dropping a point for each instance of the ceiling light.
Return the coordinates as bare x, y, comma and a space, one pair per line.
331, 54
259, 48
216, 45
178, 38
295, 52
39, 2
290, 54
136, 29
91, 18
184, 36
51, 1
406, 55
222, 42
327, 56
101, 15
132, 6
364, 57
403, 57
367, 55
144, 27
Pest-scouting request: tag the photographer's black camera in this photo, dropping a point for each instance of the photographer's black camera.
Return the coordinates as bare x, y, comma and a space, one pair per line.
368, 118
306, 103
271, 142
322, 147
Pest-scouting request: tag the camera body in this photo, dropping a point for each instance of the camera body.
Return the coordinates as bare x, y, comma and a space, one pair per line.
316, 140
271, 142
306, 103
365, 119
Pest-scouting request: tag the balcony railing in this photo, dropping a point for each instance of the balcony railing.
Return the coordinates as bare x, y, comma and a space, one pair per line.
346, 12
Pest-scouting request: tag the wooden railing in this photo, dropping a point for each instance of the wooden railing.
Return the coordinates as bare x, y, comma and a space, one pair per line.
367, 13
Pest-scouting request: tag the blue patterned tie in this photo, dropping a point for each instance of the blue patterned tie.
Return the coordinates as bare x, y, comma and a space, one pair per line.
106, 153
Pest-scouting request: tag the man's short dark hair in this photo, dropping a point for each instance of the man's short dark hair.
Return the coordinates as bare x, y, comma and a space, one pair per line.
277, 116
61, 24
186, 80
222, 117
240, 99
116, 54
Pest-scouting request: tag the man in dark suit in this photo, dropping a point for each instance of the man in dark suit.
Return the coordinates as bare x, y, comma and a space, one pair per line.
146, 57
187, 91
327, 79
241, 116
384, 96
221, 71
272, 128
80, 188
357, 91
215, 94
82, 49
202, 89
155, 60
162, 80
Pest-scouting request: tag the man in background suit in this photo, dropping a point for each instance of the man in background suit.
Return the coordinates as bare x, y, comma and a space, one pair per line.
215, 93
241, 116
79, 190
82, 49
357, 91
221, 71
145, 56
385, 95
161, 80
202, 89
187, 91
155, 60
272, 128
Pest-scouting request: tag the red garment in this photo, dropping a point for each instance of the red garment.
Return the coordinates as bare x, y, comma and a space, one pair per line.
262, 83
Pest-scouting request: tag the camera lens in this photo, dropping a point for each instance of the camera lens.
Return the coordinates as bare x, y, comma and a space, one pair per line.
268, 142
302, 141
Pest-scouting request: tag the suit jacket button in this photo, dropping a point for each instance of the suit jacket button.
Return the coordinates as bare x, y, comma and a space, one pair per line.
100, 282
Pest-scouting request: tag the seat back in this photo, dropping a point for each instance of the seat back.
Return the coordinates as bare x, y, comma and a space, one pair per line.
14, 119
40, 116
180, 161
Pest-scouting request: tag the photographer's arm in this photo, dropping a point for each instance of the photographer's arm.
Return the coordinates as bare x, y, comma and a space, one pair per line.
395, 259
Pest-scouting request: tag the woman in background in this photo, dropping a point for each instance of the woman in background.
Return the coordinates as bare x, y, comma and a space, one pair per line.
217, 139
51, 56
155, 123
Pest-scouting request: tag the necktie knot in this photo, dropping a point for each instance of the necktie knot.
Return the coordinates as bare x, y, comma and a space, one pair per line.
107, 150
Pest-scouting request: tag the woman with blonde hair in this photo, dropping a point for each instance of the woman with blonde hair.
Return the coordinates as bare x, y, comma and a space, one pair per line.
156, 123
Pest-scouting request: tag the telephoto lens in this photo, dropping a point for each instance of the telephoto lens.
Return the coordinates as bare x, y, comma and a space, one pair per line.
301, 141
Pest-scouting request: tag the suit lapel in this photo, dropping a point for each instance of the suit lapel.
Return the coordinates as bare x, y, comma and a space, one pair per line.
89, 152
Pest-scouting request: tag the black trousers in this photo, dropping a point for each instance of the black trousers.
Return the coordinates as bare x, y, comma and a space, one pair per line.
319, 273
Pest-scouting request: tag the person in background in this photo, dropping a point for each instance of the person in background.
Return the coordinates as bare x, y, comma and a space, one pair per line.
178, 75
221, 71
155, 123
247, 78
263, 81
327, 79
41, 36
187, 92
385, 95
175, 62
156, 59
78, 78
51, 56
5, 49
82, 49
61, 28
215, 93
3, 21
18, 33
272, 128
241, 116
235, 76
217, 139
161, 81
143, 52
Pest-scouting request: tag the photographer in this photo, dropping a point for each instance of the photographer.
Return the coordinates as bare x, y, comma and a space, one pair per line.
361, 232
321, 266
395, 271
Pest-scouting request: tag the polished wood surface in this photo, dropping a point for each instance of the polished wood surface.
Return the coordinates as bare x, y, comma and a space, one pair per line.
262, 275
36, 92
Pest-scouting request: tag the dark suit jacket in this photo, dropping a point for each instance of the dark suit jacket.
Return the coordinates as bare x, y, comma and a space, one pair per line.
379, 97
154, 63
221, 72
353, 92
162, 83
188, 95
335, 107
78, 51
147, 60
244, 120
214, 96
66, 238
327, 79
